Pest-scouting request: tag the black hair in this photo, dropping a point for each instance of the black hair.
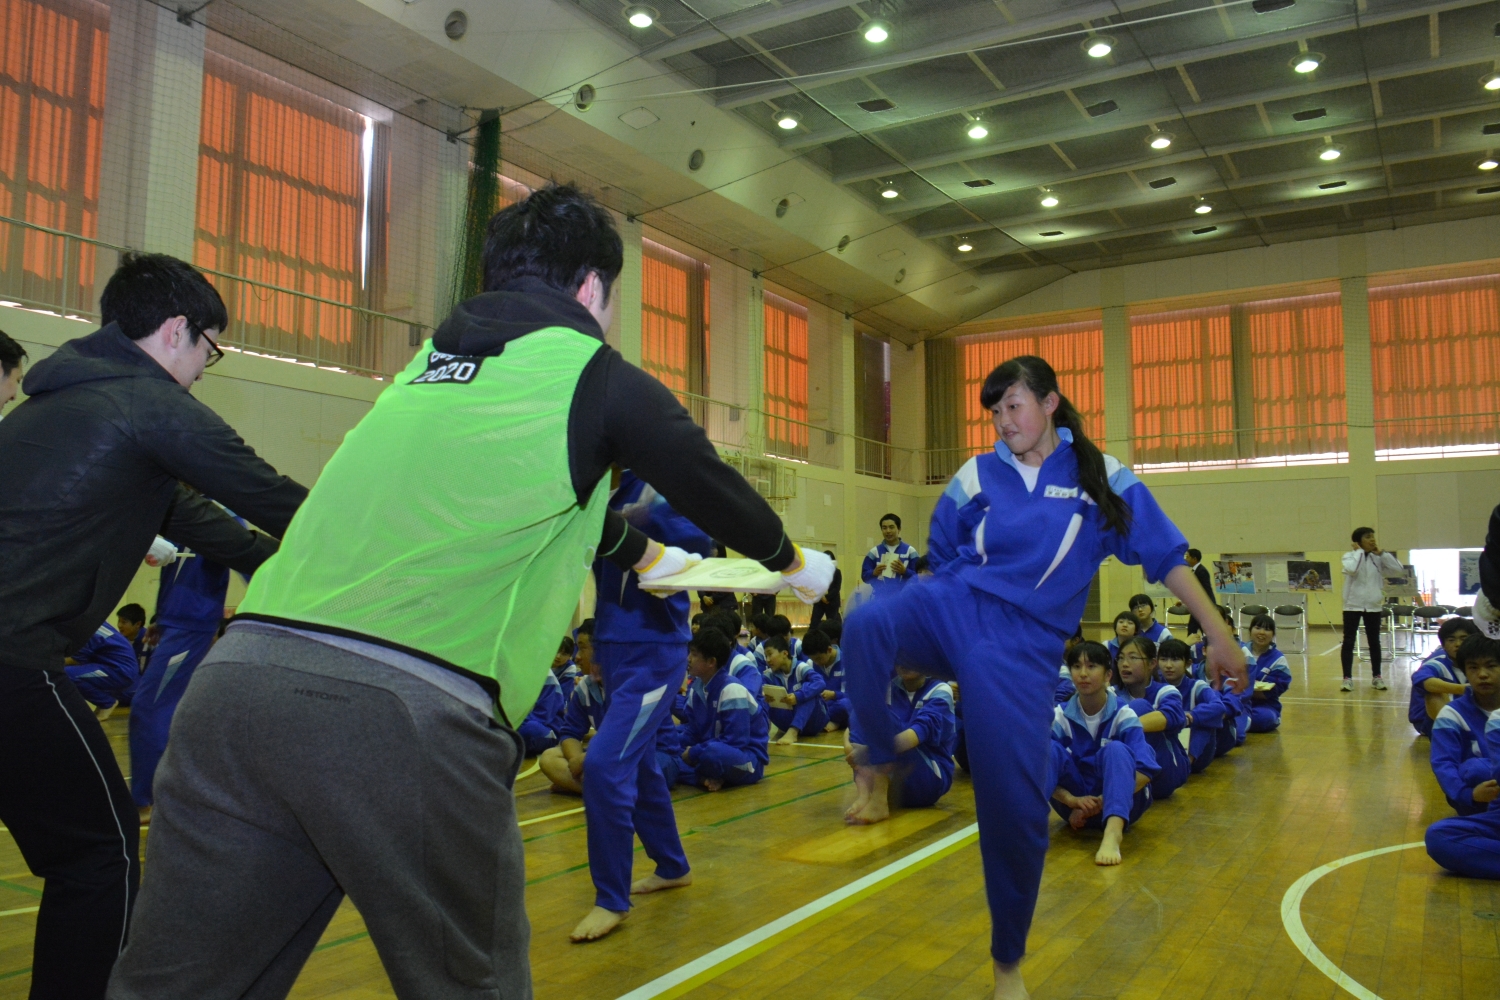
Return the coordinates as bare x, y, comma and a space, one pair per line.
1227, 615
567, 645
1148, 650
147, 289
587, 628
1453, 626
761, 623
891, 517
698, 618
1039, 378
1126, 616
1174, 649
722, 622
733, 617
1094, 652
1197, 556
1477, 647
778, 643
816, 642
711, 644
829, 554
132, 613
1264, 621
1137, 600
558, 234
834, 630
779, 625
1360, 533
11, 354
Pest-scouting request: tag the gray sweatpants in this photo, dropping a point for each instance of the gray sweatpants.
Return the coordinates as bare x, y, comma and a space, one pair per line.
298, 772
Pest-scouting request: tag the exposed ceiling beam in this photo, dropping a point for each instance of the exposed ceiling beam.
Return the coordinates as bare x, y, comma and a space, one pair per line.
1121, 71
1115, 123
762, 17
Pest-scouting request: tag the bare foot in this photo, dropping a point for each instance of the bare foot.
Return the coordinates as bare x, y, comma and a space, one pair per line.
789, 737
712, 784
655, 883
597, 924
1008, 984
864, 784
876, 807
830, 728
1109, 849
103, 713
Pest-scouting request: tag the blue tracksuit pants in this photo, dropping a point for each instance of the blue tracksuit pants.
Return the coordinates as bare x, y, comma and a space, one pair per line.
1467, 845
808, 717
722, 762
1175, 766
1006, 665
161, 687
915, 784
1264, 719
1202, 748
99, 685
537, 737
671, 767
1474, 771
1116, 784
625, 794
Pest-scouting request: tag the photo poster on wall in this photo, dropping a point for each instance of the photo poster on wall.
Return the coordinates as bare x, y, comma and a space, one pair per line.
1234, 576
1468, 572
1258, 572
1308, 576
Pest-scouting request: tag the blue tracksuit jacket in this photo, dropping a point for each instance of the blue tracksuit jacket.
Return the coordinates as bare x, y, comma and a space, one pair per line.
1270, 667
720, 712
744, 669
1465, 752
1165, 745
567, 675
1156, 632
1438, 666
539, 728
1205, 711
1065, 688
107, 668
585, 709
929, 712
882, 579
1118, 724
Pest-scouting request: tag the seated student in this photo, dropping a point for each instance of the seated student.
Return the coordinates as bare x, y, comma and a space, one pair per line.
130, 620
1437, 680
104, 669
742, 668
539, 728
563, 667
1236, 714
779, 626
1270, 676
1144, 609
718, 749
1100, 758
922, 708
563, 764
1065, 689
1465, 742
1470, 845
697, 621
760, 630
1204, 707
1125, 626
803, 684
1159, 707
1200, 647
825, 658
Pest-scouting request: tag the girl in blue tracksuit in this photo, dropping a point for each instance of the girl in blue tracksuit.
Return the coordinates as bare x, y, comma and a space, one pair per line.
718, 749
801, 680
1125, 626
1158, 705
922, 711
1144, 609
1101, 761
1438, 678
1470, 845
880, 569
1270, 674
539, 728
825, 657
1016, 539
563, 667
1236, 717
1204, 707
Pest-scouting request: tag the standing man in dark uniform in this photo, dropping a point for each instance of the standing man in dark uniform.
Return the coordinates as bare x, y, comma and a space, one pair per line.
1194, 558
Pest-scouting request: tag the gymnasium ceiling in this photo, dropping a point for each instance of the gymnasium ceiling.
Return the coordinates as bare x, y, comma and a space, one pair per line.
1397, 93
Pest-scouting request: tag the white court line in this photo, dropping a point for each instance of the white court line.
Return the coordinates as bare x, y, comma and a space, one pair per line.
1331, 649
816, 746
24, 909
1302, 700
556, 815
726, 953
1291, 919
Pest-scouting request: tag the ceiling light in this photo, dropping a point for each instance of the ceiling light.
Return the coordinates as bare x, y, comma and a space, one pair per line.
1099, 46
1307, 62
1330, 153
1159, 140
889, 191
876, 32
1203, 207
1049, 200
965, 246
977, 130
1271, 6
1489, 163
788, 119
1490, 81
640, 16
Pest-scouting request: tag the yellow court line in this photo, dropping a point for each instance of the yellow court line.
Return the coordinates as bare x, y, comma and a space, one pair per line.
533, 769
556, 815
24, 909
1291, 919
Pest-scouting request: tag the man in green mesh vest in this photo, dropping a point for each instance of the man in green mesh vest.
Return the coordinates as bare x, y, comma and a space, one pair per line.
352, 731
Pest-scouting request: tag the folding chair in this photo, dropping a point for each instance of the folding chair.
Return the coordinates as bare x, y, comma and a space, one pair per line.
1291, 618
1248, 614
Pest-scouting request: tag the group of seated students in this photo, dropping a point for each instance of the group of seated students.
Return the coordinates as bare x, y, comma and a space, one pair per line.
1137, 716
735, 695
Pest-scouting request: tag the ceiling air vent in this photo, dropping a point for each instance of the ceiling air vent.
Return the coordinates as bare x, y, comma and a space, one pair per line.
1492, 189
1205, 230
1331, 185
1052, 232
1163, 182
1493, 128
1271, 6
1101, 109
877, 104
1309, 115
983, 182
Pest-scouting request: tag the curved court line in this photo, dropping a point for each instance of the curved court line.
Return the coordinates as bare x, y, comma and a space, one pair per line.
533, 769
1291, 919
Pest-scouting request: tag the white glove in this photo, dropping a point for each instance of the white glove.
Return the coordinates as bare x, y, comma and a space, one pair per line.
669, 562
161, 553
811, 576
1486, 617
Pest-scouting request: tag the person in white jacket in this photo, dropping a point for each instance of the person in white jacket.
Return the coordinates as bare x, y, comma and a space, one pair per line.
1365, 570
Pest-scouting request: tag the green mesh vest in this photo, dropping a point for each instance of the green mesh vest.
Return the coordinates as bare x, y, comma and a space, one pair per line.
447, 522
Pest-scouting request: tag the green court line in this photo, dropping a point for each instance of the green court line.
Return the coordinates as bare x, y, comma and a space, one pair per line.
12, 975
20, 888
565, 871
343, 940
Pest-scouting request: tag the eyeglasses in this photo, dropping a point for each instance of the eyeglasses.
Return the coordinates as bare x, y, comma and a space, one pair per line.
1132, 658
217, 355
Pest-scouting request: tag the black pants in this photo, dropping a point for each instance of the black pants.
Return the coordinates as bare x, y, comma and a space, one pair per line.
763, 604
821, 611
1372, 620
67, 805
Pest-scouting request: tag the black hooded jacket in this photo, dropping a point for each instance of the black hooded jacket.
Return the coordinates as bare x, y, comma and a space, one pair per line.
92, 467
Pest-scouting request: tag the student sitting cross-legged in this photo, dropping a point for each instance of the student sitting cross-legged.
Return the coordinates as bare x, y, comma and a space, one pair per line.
563, 764
1100, 759
1236, 708
1159, 707
743, 668
1470, 845
1465, 742
802, 711
1438, 680
1269, 674
1144, 609
539, 728
564, 668
1204, 707
922, 709
823, 653
778, 626
718, 749
1125, 626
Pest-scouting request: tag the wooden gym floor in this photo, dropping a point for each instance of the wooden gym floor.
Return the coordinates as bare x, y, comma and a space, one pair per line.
1195, 911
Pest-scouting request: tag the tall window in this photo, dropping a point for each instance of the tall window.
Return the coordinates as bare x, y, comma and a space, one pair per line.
786, 377
282, 187
1074, 350
1435, 359
872, 406
1182, 368
52, 80
1296, 348
674, 289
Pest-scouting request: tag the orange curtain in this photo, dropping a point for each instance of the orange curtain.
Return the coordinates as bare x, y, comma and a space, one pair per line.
52, 80
1297, 374
669, 301
1182, 369
1074, 350
786, 377
280, 200
1435, 360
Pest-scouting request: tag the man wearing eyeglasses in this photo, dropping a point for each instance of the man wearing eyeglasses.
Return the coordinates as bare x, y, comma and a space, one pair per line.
98, 460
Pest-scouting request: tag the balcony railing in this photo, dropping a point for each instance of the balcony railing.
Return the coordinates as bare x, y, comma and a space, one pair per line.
1467, 434
1250, 448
